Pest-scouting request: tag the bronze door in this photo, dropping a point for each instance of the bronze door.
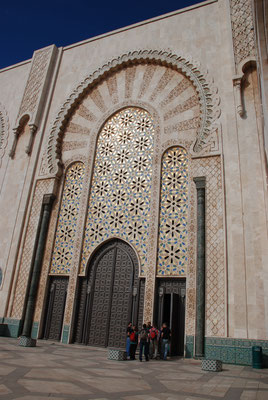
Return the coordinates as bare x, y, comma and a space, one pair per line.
55, 308
106, 302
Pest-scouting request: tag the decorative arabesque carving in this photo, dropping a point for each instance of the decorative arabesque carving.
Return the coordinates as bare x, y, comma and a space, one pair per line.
242, 29
243, 45
4, 130
31, 108
207, 94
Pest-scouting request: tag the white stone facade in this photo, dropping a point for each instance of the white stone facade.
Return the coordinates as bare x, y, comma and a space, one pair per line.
200, 76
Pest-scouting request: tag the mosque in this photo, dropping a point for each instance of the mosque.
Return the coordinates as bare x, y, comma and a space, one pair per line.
133, 170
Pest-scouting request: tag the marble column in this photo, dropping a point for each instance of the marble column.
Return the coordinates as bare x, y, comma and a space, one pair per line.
25, 339
200, 183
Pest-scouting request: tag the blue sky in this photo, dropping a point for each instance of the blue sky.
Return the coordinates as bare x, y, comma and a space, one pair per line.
30, 25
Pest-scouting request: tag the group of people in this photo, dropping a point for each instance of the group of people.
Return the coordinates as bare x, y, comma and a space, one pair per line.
152, 341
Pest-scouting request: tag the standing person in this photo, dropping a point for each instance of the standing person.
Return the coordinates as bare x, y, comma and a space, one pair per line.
129, 330
165, 336
133, 342
144, 342
160, 347
153, 337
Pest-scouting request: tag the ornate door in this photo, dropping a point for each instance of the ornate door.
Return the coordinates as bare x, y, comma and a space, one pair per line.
108, 297
55, 308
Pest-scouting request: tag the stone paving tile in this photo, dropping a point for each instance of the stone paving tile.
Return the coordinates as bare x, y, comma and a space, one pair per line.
5, 370
262, 396
62, 372
248, 395
4, 390
39, 386
40, 398
110, 385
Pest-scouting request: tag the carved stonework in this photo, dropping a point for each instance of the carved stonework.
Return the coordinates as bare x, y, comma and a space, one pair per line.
47, 257
42, 187
35, 81
210, 168
32, 106
203, 97
242, 29
4, 130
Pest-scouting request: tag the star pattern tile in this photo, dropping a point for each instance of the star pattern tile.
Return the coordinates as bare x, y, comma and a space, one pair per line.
67, 222
172, 243
119, 204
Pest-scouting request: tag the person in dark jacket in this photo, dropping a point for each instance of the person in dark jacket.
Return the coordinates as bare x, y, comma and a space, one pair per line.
165, 336
144, 342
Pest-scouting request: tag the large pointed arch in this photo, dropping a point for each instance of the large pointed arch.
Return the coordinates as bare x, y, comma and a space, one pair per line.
207, 94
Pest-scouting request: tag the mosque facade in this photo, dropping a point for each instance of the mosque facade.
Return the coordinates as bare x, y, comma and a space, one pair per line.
133, 171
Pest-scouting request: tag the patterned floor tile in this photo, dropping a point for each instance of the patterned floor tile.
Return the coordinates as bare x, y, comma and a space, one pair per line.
39, 386
67, 372
4, 390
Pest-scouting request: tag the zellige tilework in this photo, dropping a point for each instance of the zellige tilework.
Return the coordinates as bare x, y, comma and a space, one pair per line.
119, 204
172, 245
63, 248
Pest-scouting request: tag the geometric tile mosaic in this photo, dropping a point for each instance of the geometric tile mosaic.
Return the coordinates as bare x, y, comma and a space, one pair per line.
229, 350
119, 204
172, 244
67, 222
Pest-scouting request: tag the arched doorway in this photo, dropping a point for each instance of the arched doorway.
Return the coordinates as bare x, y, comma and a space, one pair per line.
109, 297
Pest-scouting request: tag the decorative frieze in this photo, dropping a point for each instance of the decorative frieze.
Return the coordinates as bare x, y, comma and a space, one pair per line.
32, 104
242, 29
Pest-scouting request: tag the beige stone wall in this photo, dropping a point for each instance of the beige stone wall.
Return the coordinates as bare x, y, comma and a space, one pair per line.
172, 94
231, 156
12, 83
23, 90
248, 276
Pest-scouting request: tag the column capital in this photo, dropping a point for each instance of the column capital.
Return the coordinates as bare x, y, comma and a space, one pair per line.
200, 182
48, 198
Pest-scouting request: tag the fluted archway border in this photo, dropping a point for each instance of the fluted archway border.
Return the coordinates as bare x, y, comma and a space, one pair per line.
4, 130
208, 98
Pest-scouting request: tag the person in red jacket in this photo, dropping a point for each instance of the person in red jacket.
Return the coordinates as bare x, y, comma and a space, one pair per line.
133, 342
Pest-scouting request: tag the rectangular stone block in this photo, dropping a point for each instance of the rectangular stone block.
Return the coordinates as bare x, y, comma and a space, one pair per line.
211, 365
117, 355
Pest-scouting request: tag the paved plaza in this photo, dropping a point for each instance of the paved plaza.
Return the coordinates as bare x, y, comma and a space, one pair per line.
56, 371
